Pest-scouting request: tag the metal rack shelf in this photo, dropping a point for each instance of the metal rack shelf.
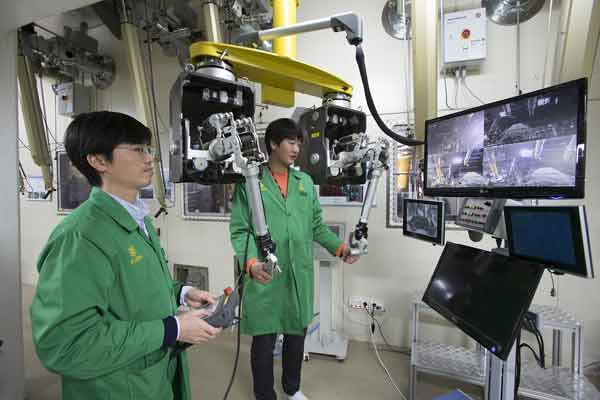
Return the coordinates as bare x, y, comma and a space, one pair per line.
555, 383
469, 365
450, 361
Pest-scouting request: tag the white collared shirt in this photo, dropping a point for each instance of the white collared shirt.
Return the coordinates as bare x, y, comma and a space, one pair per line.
137, 210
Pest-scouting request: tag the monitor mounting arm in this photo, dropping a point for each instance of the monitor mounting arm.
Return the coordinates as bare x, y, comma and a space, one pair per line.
351, 23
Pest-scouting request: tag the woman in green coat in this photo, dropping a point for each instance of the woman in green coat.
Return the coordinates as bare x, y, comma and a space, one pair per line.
104, 312
282, 303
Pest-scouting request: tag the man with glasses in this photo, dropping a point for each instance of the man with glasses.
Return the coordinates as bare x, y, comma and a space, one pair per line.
104, 315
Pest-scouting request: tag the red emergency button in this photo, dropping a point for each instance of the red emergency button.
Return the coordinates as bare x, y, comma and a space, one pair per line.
227, 291
465, 34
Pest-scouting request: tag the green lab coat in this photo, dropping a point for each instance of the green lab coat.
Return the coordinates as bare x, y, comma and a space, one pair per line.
103, 290
285, 304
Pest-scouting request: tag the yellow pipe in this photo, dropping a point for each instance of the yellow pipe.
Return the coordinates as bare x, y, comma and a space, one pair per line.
284, 14
425, 63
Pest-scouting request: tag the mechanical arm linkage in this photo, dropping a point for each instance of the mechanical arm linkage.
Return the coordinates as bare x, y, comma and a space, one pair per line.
213, 136
374, 155
236, 144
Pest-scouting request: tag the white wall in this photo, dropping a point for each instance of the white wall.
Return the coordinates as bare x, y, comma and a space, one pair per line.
396, 266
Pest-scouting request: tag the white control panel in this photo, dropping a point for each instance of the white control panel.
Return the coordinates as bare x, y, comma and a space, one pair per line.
480, 215
464, 38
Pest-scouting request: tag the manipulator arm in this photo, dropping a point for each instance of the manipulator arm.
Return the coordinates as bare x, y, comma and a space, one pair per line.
338, 152
214, 141
377, 156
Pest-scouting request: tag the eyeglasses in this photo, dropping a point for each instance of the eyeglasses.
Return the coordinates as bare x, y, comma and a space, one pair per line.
142, 150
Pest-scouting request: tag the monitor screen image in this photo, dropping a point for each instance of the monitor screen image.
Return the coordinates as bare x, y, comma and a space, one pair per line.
424, 219
485, 294
529, 146
556, 237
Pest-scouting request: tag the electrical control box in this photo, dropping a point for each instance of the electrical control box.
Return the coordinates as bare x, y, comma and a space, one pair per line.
464, 38
73, 99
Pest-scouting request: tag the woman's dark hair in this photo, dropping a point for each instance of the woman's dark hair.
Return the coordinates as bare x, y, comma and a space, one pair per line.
282, 128
100, 132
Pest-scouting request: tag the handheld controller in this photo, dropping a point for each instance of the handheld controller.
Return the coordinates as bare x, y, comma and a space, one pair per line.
222, 313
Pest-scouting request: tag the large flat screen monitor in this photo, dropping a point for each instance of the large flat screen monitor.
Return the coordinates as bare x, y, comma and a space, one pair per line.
485, 294
529, 146
556, 237
424, 219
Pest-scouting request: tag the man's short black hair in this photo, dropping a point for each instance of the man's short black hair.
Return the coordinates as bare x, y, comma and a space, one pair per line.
282, 128
100, 132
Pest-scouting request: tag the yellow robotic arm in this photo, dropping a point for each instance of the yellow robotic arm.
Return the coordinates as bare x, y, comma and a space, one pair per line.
271, 69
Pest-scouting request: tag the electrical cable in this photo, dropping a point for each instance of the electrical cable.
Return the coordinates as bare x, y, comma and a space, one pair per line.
154, 110
541, 359
24, 145
471, 92
240, 287
464, 79
535, 355
44, 110
446, 91
390, 347
25, 176
532, 326
384, 367
457, 87
553, 290
540, 341
360, 61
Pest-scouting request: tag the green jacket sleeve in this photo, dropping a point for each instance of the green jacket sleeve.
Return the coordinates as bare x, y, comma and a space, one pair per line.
240, 225
177, 285
321, 232
73, 332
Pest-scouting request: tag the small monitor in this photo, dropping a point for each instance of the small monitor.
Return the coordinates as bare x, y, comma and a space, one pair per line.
556, 237
424, 219
484, 294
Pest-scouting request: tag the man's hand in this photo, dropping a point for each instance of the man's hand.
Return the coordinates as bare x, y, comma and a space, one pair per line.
347, 257
197, 298
193, 329
259, 274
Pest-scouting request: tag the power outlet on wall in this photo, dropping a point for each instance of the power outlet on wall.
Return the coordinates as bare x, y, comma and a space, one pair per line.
366, 303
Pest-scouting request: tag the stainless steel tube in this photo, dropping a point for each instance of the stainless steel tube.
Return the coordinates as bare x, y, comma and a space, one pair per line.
370, 197
255, 200
310, 26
